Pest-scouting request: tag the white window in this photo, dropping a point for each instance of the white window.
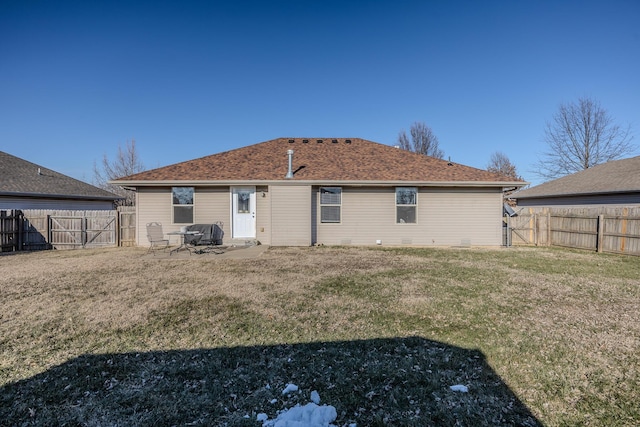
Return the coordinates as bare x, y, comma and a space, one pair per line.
406, 205
330, 204
244, 201
182, 201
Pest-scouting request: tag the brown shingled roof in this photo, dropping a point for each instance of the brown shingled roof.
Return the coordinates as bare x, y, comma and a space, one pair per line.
317, 159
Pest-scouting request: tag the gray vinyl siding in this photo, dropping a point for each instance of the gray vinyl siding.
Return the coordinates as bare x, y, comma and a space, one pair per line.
445, 217
58, 204
617, 199
290, 215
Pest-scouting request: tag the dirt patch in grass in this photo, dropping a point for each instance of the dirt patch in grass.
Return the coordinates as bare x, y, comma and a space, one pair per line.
105, 336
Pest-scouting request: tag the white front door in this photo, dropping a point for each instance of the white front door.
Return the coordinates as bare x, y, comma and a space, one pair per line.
244, 212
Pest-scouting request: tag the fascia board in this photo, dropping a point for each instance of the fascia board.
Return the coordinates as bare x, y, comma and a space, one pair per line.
292, 182
575, 194
59, 196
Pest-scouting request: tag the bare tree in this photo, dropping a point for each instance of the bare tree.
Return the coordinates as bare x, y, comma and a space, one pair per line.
500, 163
579, 136
127, 162
423, 141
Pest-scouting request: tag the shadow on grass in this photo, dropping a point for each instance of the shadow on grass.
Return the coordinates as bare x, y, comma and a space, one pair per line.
399, 382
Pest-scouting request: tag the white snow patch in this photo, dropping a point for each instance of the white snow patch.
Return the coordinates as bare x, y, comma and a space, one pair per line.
309, 415
290, 388
459, 387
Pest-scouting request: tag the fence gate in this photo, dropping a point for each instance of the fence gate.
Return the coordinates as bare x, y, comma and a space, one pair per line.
523, 229
127, 220
101, 231
83, 231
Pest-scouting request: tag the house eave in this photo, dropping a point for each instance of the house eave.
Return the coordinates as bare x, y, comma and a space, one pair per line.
294, 182
58, 196
576, 194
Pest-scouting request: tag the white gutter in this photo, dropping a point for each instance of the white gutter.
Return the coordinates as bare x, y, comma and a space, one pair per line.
188, 183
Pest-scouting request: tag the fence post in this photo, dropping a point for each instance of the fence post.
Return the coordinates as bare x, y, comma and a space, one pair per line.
84, 225
49, 235
2, 238
117, 228
600, 236
549, 242
20, 221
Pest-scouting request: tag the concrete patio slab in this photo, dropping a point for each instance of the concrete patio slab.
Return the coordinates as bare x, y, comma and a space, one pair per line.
228, 252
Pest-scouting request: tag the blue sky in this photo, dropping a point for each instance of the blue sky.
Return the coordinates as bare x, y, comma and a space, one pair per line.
189, 79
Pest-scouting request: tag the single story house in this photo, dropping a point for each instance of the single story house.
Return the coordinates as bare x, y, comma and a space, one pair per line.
614, 184
332, 191
25, 185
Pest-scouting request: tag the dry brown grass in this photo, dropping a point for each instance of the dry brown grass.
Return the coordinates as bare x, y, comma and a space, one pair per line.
562, 328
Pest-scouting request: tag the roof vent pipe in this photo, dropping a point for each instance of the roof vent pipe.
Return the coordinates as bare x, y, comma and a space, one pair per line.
290, 172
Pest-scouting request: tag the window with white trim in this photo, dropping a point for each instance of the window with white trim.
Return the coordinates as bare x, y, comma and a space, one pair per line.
406, 205
182, 202
330, 204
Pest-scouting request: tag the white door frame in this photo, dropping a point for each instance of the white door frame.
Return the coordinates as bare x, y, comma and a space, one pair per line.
243, 223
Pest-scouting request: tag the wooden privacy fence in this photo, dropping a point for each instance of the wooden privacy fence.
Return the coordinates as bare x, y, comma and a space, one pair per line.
57, 229
614, 230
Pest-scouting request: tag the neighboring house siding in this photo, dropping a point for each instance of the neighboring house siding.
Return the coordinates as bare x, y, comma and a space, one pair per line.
445, 217
58, 204
290, 215
622, 199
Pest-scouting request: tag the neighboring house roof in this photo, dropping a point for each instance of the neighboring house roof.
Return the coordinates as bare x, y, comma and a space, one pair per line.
349, 160
617, 176
25, 179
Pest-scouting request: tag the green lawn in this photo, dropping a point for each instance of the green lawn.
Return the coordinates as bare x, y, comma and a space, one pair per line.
114, 337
